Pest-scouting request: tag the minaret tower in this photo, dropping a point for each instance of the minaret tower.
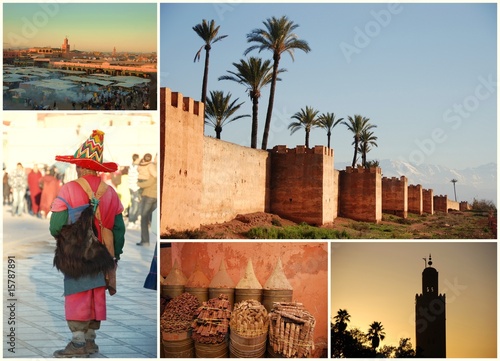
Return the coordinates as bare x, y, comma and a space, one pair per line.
65, 47
430, 315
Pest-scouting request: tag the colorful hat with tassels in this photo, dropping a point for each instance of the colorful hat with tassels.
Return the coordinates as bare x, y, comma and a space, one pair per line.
89, 155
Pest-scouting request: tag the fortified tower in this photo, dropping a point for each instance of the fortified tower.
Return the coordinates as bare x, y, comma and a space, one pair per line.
430, 315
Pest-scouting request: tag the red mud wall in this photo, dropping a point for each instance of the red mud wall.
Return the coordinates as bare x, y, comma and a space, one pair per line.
235, 180
305, 265
415, 203
441, 204
182, 154
360, 194
302, 184
428, 201
395, 196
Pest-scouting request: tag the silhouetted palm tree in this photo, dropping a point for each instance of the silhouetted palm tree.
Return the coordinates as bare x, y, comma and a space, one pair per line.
254, 74
454, 189
356, 125
328, 122
219, 110
341, 319
305, 119
366, 141
208, 32
278, 37
375, 334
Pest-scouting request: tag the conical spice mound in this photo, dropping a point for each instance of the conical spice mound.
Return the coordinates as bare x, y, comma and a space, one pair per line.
222, 278
278, 280
249, 280
175, 277
197, 278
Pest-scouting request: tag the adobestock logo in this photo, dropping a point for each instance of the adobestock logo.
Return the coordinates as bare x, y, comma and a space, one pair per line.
363, 36
30, 25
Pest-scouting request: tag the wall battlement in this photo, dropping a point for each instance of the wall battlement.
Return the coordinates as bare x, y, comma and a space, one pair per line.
375, 170
428, 201
301, 149
177, 100
415, 201
395, 196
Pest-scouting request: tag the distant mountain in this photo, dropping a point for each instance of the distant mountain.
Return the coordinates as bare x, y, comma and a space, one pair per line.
478, 182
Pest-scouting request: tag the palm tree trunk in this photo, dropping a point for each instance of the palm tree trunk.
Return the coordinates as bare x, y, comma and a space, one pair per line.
307, 138
205, 75
329, 134
255, 122
355, 153
269, 114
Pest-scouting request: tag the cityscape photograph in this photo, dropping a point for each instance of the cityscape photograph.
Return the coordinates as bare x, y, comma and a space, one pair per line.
62, 56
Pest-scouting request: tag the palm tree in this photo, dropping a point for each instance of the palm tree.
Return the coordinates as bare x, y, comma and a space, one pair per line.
305, 119
278, 37
341, 319
328, 122
366, 141
208, 32
220, 109
254, 74
454, 189
356, 125
375, 334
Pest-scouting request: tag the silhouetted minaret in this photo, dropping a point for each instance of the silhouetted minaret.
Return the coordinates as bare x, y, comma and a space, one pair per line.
430, 315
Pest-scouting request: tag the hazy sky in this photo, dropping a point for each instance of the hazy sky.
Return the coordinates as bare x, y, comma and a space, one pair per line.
379, 281
425, 74
90, 26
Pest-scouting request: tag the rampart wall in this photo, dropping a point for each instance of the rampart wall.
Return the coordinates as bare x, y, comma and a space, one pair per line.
428, 201
395, 196
302, 184
360, 194
464, 206
441, 204
235, 180
415, 203
182, 143
453, 205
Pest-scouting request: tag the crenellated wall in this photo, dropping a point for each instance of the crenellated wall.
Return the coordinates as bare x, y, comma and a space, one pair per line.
428, 201
395, 196
206, 180
302, 184
464, 206
441, 204
360, 194
415, 203
181, 145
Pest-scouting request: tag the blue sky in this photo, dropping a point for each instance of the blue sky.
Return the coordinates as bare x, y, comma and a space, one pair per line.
89, 27
425, 74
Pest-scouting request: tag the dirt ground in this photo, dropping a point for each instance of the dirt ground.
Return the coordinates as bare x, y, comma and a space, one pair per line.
454, 225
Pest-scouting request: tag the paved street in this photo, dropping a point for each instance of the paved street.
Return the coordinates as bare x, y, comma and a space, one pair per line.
35, 309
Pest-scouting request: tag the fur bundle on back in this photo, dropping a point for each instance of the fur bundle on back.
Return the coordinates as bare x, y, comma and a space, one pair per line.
79, 252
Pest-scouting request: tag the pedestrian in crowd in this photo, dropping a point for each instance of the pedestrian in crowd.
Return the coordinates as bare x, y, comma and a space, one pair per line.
123, 191
7, 195
50, 185
146, 168
18, 182
135, 196
85, 297
35, 191
147, 205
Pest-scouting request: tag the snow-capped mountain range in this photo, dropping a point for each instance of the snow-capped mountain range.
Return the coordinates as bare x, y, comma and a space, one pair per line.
478, 182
